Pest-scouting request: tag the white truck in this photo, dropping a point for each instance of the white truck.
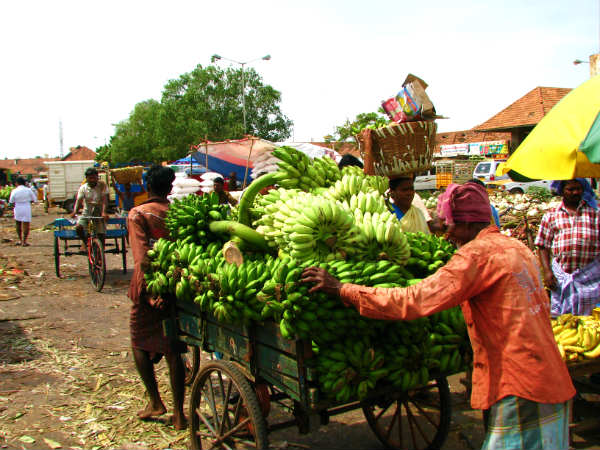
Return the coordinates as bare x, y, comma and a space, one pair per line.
64, 179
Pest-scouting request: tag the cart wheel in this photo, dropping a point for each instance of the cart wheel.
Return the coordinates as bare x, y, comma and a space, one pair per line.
418, 419
124, 254
57, 256
191, 363
224, 410
97, 264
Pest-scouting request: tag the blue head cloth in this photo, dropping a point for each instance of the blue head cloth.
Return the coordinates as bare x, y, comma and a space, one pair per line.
588, 194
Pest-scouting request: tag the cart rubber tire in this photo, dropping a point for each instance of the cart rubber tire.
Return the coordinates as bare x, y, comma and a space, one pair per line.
516, 191
191, 363
221, 380
97, 264
124, 254
424, 419
57, 256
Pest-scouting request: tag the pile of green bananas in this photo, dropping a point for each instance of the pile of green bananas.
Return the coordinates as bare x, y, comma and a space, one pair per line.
188, 218
296, 170
315, 218
377, 183
428, 253
308, 226
350, 185
349, 371
5, 192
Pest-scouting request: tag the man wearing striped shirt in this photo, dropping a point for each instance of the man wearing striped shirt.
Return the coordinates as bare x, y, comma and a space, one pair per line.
569, 246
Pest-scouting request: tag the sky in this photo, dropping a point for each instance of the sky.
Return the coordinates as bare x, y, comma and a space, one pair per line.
87, 63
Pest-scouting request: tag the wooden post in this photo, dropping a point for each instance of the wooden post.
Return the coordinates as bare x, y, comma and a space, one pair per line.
248, 163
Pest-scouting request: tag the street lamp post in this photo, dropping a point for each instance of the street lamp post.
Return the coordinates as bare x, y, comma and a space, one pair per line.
215, 57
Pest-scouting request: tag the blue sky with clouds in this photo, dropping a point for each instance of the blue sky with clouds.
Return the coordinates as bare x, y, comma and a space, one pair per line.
89, 63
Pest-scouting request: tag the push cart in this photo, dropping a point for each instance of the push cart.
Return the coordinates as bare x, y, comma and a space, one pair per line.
68, 243
231, 398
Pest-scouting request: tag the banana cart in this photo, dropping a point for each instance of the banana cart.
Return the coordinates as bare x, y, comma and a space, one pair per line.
231, 398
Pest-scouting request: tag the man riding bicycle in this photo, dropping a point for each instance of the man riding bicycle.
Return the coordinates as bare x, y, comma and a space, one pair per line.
93, 196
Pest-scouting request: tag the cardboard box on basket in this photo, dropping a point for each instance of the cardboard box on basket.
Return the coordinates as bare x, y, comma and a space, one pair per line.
410, 104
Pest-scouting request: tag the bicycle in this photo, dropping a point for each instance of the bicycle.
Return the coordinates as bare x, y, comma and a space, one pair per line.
95, 249
95, 253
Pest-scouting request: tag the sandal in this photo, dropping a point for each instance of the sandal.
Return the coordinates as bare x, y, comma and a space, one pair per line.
17, 244
26, 244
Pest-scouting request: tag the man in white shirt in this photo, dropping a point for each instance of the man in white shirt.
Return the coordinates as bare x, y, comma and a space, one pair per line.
22, 197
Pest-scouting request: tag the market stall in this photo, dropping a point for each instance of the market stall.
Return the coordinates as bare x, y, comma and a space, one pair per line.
236, 156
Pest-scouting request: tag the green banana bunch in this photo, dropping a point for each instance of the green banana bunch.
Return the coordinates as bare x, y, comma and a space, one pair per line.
348, 186
188, 218
296, 170
5, 192
349, 371
382, 237
307, 226
428, 253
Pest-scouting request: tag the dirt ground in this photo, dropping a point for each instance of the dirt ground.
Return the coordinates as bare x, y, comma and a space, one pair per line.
67, 378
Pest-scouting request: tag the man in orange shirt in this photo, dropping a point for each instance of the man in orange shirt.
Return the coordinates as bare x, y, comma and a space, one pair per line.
518, 374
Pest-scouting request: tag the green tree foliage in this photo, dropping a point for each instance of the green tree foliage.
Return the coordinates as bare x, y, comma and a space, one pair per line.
203, 104
349, 129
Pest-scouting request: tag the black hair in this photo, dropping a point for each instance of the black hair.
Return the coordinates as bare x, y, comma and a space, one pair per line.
395, 182
160, 180
21, 181
90, 171
349, 160
219, 180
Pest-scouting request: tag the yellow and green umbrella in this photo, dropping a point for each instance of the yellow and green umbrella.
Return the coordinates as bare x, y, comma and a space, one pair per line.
565, 144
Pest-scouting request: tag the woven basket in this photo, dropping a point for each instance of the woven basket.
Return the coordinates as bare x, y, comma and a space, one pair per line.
398, 149
128, 174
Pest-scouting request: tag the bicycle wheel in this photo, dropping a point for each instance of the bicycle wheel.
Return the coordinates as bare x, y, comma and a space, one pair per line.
96, 263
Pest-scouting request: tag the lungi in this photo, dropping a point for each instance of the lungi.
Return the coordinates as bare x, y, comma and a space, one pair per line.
578, 292
517, 423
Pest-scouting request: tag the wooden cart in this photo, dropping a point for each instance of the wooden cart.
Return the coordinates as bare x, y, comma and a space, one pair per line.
64, 233
580, 421
231, 398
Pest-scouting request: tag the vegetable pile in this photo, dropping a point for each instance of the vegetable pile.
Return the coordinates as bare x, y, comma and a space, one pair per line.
5, 192
319, 216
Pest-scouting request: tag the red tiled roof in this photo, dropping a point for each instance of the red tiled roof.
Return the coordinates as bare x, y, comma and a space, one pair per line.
526, 111
80, 153
29, 166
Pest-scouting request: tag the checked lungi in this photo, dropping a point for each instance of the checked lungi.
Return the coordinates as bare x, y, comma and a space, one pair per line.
516, 423
577, 292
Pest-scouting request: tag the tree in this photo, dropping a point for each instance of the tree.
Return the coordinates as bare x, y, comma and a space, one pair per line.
348, 130
203, 104
137, 138
206, 104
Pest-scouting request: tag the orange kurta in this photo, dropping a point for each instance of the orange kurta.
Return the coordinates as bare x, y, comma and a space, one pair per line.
497, 283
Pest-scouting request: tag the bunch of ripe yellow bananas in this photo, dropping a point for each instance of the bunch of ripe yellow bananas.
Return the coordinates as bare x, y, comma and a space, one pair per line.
577, 337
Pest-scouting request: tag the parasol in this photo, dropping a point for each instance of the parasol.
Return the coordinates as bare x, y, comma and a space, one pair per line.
565, 144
